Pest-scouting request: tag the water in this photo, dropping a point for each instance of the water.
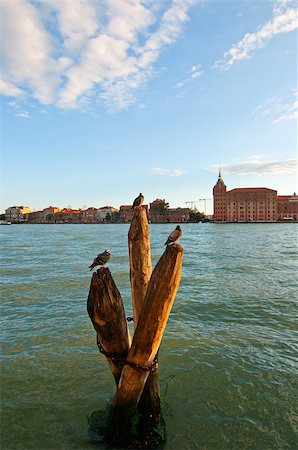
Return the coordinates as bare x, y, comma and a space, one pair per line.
228, 359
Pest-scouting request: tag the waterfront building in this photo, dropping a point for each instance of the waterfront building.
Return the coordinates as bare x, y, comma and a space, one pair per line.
104, 212
17, 214
251, 205
36, 217
287, 207
126, 212
48, 213
220, 200
88, 215
255, 204
160, 212
67, 215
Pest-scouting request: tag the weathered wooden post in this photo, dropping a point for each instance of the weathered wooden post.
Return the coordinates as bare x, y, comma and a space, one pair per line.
139, 260
160, 295
140, 273
106, 311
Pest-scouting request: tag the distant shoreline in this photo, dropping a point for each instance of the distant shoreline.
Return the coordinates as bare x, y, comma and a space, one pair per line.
159, 223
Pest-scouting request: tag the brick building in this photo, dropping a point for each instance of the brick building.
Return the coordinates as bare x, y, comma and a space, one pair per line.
287, 207
36, 217
88, 215
252, 204
126, 212
67, 215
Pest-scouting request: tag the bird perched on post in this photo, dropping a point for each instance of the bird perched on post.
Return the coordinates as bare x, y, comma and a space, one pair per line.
138, 201
101, 259
174, 236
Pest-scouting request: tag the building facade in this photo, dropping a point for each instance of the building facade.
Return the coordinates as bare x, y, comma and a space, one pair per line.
67, 215
252, 204
160, 212
106, 212
49, 212
287, 207
88, 215
17, 214
126, 212
36, 217
220, 200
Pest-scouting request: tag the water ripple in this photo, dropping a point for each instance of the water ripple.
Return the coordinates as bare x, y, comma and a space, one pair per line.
228, 360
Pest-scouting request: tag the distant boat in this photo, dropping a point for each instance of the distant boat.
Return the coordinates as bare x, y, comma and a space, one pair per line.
4, 222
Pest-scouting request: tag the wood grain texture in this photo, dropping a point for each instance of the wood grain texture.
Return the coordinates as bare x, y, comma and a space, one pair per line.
106, 311
139, 260
140, 274
158, 302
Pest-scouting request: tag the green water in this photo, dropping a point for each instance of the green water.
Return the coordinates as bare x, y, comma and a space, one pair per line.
228, 360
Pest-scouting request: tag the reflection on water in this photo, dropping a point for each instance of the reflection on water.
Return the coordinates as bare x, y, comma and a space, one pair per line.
228, 361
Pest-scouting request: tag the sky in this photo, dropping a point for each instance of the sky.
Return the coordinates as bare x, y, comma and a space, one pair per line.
104, 99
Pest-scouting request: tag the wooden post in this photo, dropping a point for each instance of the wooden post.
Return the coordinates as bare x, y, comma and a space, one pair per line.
139, 259
106, 311
140, 273
158, 302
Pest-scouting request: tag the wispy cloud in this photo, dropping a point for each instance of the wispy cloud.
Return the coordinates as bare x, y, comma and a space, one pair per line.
279, 109
193, 74
61, 55
284, 20
259, 167
10, 89
23, 114
167, 172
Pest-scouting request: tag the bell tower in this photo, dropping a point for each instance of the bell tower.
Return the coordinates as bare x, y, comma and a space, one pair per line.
220, 200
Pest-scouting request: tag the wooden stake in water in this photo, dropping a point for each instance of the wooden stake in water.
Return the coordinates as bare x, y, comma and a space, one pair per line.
106, 311
140, 273
158, 302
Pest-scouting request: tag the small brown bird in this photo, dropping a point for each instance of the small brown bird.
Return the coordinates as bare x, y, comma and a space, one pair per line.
138, 201
174, 236
101, 259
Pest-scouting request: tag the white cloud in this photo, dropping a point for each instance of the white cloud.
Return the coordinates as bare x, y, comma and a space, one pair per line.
289, 112
62, 52
259, 167
279, 109
23, 114
283, 20
280, 6
76, 23
167, 172
10, 89
195, 72
26, 51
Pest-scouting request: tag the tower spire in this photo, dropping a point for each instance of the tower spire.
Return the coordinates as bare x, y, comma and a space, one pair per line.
220, 180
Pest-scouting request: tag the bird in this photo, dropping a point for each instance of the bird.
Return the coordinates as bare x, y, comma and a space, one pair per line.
174, 236
101, 259
138, 201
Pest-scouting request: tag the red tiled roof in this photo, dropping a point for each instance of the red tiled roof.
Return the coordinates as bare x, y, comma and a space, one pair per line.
251, 189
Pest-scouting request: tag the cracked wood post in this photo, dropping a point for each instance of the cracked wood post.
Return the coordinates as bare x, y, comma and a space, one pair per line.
140, 273
106, 311
156, 309
139, 260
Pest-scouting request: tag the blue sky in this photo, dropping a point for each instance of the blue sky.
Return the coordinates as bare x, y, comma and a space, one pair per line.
101, 100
